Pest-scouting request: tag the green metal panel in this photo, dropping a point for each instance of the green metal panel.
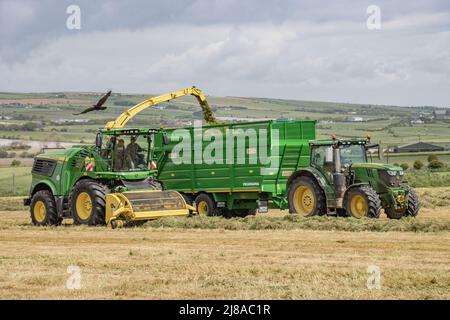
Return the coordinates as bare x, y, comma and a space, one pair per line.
242, 174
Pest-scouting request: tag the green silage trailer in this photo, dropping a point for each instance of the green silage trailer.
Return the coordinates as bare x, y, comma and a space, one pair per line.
233, 168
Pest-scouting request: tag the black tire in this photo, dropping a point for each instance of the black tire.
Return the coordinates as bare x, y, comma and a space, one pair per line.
413, 203
396, 214
411, 210
48, 215
318, 202
244, 212
206, 206
238, 213
97, 195
371, 198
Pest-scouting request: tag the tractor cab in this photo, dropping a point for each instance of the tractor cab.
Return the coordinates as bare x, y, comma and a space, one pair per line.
346, 156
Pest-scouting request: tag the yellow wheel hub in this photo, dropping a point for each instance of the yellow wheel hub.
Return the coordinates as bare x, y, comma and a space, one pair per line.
39, 211
359, 206
202, 208
304, 200
84, 205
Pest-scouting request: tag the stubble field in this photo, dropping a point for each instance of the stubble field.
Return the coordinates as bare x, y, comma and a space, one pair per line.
226, 259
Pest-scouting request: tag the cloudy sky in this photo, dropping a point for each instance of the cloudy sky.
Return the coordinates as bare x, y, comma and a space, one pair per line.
309, 50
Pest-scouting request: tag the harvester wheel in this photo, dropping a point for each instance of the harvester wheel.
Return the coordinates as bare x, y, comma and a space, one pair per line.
362, 201
206, 206
306, 197
87, 202
43, 209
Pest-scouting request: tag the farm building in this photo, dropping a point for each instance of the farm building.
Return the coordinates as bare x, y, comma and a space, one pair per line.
418, 147
440, 114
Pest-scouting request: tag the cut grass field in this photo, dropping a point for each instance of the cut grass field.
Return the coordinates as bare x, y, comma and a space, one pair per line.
263, 257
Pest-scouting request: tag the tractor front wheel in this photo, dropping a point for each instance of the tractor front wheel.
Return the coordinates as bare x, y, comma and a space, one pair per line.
362, 201
43, 209
413, 203
306, 197
87, 202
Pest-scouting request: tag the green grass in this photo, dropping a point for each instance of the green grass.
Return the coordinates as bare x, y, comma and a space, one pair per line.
425, 178
409, 158
21, 177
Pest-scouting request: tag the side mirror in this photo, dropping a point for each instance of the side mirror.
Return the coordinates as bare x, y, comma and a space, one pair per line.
98, 140
165, 139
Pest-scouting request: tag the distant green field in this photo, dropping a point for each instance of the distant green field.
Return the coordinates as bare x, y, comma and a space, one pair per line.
409, 158
15, 180
388, 124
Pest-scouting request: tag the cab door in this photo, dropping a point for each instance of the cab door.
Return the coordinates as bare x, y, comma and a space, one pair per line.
322, 160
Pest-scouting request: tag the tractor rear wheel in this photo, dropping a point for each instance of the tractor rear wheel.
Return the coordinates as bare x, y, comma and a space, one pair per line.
87, 202
362, 201
43, 209
306, 197
206, 205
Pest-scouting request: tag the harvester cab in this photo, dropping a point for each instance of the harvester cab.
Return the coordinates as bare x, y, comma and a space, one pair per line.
354, 185
111, 182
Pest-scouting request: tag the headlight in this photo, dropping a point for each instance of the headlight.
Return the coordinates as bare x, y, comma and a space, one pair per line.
400, 173
392, 172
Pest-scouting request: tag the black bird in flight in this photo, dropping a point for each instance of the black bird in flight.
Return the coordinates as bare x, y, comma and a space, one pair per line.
98, 105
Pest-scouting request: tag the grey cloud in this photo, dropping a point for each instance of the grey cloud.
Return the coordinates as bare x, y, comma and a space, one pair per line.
284, 49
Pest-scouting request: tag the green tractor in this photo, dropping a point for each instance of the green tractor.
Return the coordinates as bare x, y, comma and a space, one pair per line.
341, 180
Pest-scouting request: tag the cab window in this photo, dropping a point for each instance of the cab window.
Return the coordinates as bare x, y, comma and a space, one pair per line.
322, 156
131, 152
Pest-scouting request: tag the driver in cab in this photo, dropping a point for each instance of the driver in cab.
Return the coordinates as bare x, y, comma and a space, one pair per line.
133, 152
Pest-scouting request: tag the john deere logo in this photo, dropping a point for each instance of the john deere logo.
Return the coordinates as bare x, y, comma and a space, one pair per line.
89, 164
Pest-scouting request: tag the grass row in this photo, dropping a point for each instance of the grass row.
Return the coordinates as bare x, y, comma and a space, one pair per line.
292, 222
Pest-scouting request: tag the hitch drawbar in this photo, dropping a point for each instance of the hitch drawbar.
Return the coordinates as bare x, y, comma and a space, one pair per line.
123, 208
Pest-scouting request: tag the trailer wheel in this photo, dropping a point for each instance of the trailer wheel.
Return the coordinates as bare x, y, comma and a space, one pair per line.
206, 206
87, 202
306, 197
362, 201
43, 209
